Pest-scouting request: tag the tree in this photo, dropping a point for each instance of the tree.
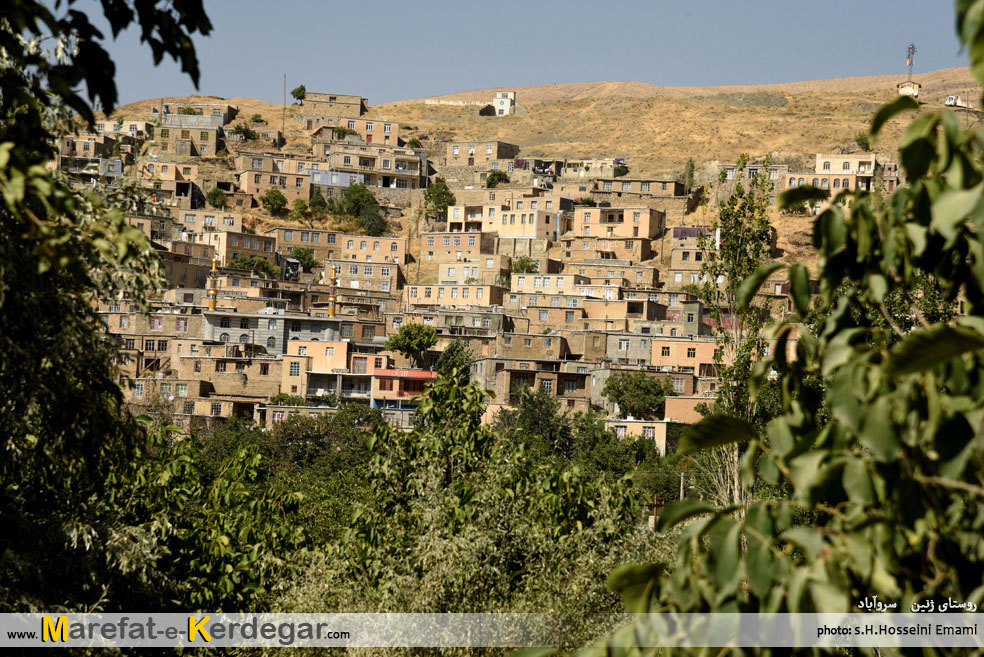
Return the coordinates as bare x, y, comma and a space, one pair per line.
305, 257
638, 395
494, 178
413, 341
587, 201
413, 142
299, 93
439, 197
525, 265
863, 142
300, 211
190, 111
318, 204
883, 470
745, 244
253, 263
455, 361
246, 132
688, 176
87, 524
357, 199
257, 118
217, 198
372, 222
454, 503
274, 201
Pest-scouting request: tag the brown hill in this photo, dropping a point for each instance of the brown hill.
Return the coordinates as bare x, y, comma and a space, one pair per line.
943, 81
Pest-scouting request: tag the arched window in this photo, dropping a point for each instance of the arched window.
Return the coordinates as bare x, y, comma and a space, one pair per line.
824, 184
244, 338
816, 182
792, 182
224, 337
847, 183
837, 183
244, 323
271, 342
801, 181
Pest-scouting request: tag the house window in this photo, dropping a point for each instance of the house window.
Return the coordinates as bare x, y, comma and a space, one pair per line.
156, 323
665, 352
138, 390
216, 409
271, 342
623, 345
691, 352
295, 368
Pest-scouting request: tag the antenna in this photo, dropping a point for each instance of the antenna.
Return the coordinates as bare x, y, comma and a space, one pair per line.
909, 52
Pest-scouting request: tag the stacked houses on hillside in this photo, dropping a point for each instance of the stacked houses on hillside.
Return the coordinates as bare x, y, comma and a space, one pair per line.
568, 273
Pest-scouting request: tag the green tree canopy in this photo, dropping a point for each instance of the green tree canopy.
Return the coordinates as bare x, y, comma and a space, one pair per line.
638, 394
305, 257
439, 197
455, 360
274, 201
413, 341
413, 142
318, 204
217, 198
525, 265
494, 178
299, 93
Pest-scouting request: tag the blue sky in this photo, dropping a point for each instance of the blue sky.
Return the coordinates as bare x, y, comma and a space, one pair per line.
392, 50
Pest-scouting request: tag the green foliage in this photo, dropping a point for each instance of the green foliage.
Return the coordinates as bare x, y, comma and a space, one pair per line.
587, 201
254, 263
454, 504
190, 111
861, 139
494, 178
99, 513
300, 211
413, 142
455, 361
439, 197
274, 201
688, 176
257, 118
318, 204
413, 341
883, 472
372, 222
305, 257
244, 131
621, 170
299, 93
217, 198
525, 265
638, 394
285, 399
222, 153
341, 131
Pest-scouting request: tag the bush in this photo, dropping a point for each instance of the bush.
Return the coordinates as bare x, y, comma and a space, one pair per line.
494, 178
283, 399
413, 142
525, 265
257, 118
274, 201
305, 257
217, 198
253, 263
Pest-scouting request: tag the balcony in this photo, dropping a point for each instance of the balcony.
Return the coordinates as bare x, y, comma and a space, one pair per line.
356, 393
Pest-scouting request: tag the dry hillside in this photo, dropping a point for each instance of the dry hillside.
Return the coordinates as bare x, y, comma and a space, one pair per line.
658, 128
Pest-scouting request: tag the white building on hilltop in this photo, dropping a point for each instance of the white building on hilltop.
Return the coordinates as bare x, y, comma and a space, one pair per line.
504, 103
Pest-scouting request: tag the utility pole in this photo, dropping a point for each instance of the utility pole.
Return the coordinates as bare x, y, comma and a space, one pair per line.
283, 115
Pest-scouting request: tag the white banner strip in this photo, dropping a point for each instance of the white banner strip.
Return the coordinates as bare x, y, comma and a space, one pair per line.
888, 630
